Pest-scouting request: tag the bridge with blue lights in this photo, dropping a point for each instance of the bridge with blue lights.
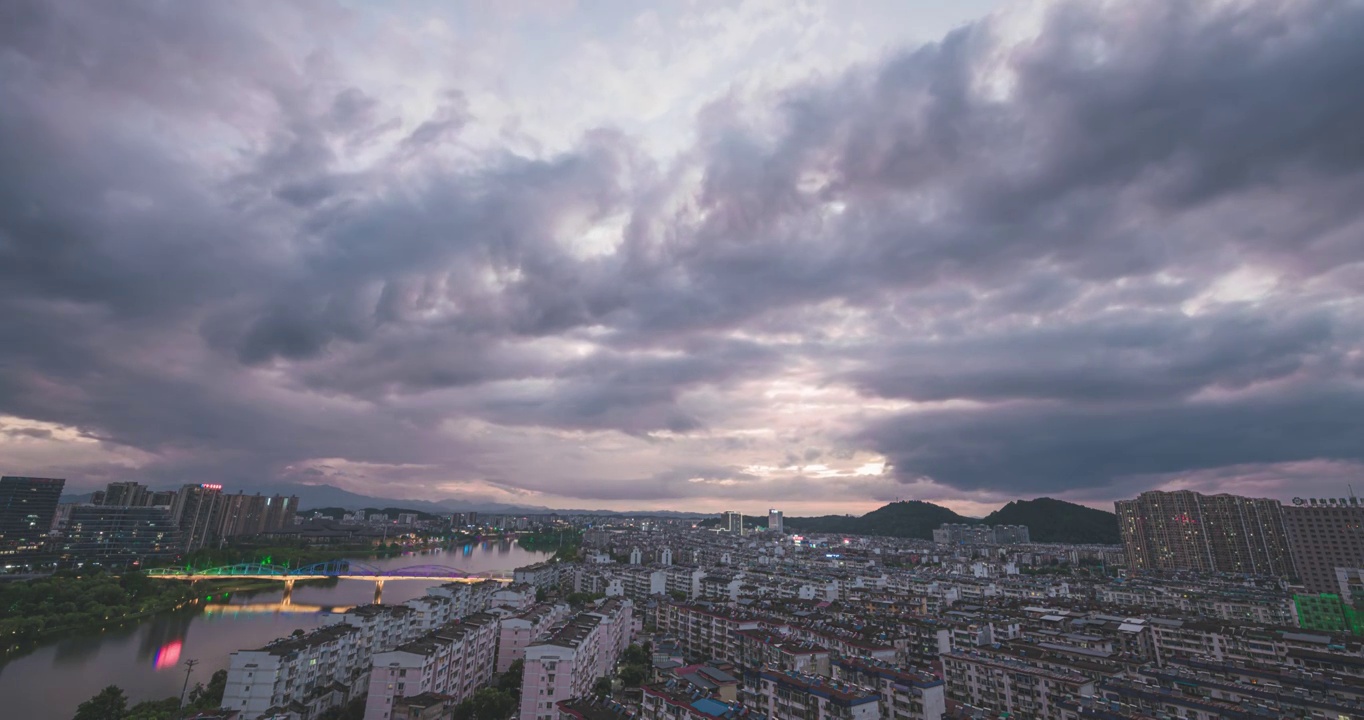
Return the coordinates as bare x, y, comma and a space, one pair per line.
340, 569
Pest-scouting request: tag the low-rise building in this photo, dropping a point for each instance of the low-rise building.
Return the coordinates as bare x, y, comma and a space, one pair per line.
518, 631
906, 693
798, 696
1006, 684
297, 676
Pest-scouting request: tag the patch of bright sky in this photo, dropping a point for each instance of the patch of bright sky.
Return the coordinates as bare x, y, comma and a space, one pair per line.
33, 447
1244, 284
556, 69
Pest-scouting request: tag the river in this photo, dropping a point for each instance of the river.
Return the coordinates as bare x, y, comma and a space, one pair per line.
146, 658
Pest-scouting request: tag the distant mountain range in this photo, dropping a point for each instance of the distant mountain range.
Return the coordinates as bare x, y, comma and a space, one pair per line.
316, 497
1047, 520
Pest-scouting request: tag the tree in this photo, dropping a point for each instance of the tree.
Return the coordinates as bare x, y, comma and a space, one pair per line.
108, 704
602, 688
353, 710
486, 704
541, 595
633, 675
510, 681
167, 709
579, 599
634, 655
210, 696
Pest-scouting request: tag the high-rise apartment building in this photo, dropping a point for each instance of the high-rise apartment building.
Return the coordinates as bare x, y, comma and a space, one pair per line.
732, 521
1185, 530
774, 520
27, 507
243, 514
197, 510
119, 535
1327, 541
123, 494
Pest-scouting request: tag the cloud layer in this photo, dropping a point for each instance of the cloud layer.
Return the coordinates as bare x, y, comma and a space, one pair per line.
1071, 248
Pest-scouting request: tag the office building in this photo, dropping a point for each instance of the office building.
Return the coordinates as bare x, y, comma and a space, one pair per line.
197, 510
1185, 530
774, 520
27, 508
118, 535
731, 521
1327, 541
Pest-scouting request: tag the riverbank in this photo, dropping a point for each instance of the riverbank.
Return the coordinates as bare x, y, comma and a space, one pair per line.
146, 657
63, 604
76, 601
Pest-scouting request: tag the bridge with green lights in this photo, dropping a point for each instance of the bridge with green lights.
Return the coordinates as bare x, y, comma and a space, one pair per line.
340, 569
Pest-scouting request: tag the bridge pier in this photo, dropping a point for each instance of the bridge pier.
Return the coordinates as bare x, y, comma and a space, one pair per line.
288, 591
378, 592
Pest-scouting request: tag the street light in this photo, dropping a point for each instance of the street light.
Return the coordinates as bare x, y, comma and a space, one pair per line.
189, 668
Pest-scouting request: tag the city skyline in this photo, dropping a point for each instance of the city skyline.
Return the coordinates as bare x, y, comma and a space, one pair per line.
815, 256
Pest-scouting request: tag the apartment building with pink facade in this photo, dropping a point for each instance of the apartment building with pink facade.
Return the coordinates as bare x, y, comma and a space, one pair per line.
520, 630
452, 661
565, 664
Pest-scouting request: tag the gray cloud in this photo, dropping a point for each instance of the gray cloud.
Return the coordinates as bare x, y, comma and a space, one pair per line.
1114, 356
1039, 448
1128, 247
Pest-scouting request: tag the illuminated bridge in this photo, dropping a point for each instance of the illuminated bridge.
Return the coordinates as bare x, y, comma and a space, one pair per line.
340, 569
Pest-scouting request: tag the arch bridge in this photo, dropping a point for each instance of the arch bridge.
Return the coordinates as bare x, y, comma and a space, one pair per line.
339, 569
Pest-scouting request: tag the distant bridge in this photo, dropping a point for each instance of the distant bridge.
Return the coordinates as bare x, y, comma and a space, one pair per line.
341, 569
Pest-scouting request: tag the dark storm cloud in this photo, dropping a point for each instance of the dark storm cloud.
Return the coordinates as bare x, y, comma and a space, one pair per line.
220, 247
1142, 356
1038, 449
630, 393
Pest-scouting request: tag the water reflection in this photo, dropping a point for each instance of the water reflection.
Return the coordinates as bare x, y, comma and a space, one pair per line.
167, 655
147, 658
283, 606
162, 634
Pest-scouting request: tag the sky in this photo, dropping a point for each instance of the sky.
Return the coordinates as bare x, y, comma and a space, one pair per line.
687, 255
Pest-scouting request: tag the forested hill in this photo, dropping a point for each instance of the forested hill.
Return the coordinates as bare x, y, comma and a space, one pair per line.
1047, 519
909, 519
1051, 520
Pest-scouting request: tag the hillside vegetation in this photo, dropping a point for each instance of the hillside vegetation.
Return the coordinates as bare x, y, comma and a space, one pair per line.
1047, 520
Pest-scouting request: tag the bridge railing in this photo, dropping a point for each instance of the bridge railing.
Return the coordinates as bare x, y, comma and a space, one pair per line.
330, 568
